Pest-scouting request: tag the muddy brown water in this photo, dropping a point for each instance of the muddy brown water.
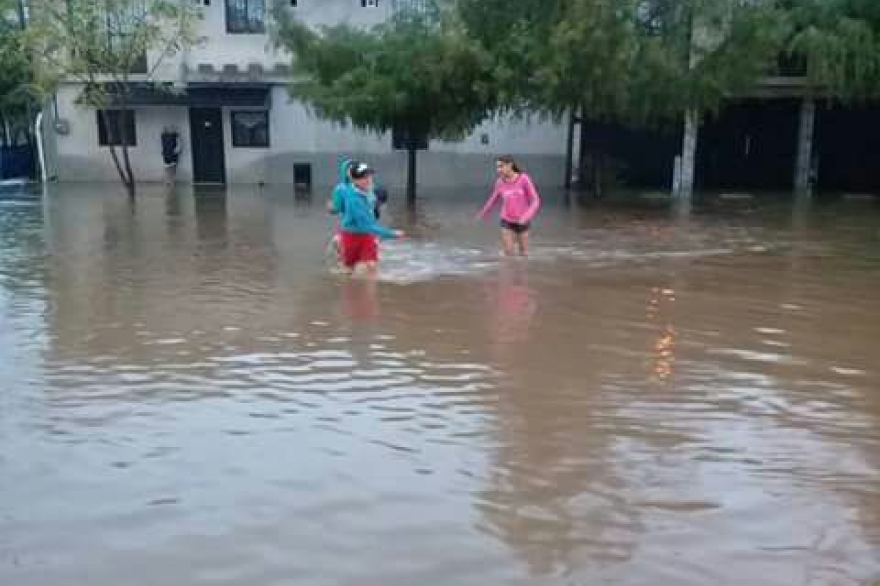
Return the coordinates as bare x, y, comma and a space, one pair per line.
190, 396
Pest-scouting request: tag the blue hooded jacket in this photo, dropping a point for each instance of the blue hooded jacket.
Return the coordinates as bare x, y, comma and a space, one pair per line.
344, 181
358, 215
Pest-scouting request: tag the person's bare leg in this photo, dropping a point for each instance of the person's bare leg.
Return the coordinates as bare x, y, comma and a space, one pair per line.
336, 245
508, 242
523, 242
372, 269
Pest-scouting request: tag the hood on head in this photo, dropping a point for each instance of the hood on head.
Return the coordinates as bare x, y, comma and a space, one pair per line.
344, 164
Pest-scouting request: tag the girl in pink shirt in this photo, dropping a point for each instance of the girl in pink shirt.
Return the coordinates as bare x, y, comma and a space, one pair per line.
519, 204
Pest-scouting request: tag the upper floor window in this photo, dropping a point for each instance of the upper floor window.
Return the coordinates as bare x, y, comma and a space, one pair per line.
246, 16
369, 3
123, 24
23, 12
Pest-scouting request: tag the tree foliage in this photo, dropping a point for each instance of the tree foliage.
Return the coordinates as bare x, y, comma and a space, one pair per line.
18, 96
417, 73
16, 75
838, 44
628, 60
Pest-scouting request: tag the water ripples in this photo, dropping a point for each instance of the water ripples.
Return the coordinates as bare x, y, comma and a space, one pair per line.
647, 399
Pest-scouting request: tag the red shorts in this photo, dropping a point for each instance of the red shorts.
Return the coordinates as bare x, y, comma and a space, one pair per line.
358, 248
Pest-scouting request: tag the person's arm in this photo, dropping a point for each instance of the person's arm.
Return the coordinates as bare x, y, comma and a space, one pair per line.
335, 204
361, 217
534, 198
490, 202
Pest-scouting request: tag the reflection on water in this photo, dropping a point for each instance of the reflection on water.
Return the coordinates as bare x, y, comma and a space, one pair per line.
660, 309
657, 396
512, 304
359, 299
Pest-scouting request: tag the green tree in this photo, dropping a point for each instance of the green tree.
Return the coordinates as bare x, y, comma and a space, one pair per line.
418, 74
17, 99
106, 45
837, 44
636, 62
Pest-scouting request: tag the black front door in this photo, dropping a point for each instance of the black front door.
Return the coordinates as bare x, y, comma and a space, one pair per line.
206, 131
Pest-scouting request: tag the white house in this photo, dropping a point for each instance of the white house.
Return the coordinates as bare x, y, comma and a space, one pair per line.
238, 123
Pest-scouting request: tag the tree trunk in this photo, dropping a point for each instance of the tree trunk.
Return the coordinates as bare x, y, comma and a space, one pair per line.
804, 160
125, 179
569, 149
117, 164
689, 154
128, 178
411, 174
4, 132
22, 21
32, 141
123, 168
691, 129
583, 179
129, 174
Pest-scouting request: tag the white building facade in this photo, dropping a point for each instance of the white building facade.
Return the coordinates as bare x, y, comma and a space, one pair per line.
238, 123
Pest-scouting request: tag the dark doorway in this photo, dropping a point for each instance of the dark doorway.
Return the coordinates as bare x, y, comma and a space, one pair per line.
206, 131
634, 157
750, 144
847, 148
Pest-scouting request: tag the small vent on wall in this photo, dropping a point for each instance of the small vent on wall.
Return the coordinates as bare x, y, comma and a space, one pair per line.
302, 176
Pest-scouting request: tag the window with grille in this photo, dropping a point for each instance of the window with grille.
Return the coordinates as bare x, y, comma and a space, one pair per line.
122, 23
246, 16
250, 129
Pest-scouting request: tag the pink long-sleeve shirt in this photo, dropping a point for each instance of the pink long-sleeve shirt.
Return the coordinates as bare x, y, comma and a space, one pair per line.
519, 199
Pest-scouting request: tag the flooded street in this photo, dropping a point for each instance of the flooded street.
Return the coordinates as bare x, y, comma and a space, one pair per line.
190, 396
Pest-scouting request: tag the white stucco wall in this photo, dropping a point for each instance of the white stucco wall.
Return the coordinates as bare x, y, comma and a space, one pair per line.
330, 12
220, 48
295, 135
81, 158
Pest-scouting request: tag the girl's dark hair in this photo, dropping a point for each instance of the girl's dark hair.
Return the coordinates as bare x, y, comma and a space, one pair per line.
508, 160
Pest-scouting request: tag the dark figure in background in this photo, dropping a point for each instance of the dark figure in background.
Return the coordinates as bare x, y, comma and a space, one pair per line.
381, 199
170, 152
